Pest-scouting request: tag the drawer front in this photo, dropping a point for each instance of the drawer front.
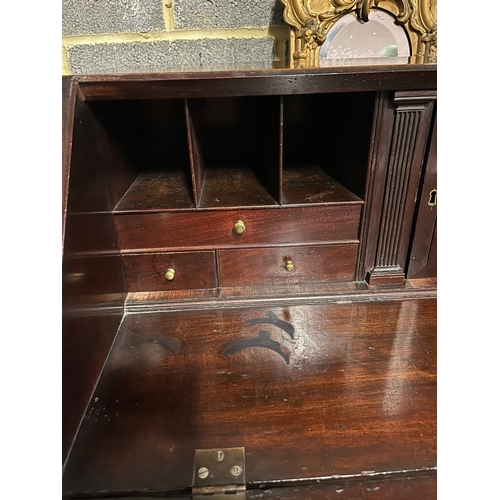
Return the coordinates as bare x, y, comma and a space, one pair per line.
215, 229
268, 266
147, 272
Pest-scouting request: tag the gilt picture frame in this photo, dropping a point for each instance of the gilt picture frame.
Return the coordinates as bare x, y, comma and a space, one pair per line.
310, 22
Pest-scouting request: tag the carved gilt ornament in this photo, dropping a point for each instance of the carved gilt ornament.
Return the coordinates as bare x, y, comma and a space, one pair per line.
311, 20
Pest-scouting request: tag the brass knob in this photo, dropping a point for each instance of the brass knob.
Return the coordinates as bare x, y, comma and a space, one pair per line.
169, 275
239, 227
289, 265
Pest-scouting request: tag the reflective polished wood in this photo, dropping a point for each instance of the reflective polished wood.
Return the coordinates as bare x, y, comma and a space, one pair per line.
235, 273
321, 391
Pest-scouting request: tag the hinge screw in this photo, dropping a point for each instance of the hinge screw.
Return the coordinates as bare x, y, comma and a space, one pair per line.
236, 470
220, 456
202, 472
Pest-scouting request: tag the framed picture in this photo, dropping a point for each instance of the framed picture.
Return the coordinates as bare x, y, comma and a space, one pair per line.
325, 31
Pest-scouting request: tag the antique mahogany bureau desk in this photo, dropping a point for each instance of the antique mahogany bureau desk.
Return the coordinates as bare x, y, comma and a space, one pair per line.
249, 263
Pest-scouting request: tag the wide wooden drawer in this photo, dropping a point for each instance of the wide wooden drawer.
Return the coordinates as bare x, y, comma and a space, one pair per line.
215, 229
287, 265
191, 270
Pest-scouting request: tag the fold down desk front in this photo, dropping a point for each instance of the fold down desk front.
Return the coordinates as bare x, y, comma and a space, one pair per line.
249, 262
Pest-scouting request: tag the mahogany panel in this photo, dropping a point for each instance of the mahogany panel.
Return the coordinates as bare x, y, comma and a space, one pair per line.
93, 287
423, 256
93, 279
93, 284
235, 148
93, 292
233, 187
108, 149
413, 120
158, 190
93, 298
307, 183
146, 272
86, 340
69, 91
330, 131
266, 266
280, 153
90, 233
258, 82
432, 260
301, 293
163, 125
197, 166
160, 160
214, 229
379, 152
310, 391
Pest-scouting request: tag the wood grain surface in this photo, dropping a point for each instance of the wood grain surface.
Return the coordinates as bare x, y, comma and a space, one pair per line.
352, 393
69, 90
422, 262
257, 82
193, 270
330, 387
86, 340
413, 121
266, 266
199, 229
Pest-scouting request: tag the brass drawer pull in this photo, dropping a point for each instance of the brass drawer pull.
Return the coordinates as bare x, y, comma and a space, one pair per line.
289, 265
170, 274
239, 227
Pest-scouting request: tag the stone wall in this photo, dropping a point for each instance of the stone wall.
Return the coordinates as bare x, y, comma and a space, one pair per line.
102, 36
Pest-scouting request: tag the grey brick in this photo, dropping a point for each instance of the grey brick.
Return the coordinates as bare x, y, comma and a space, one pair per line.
169, 55
111, 16
210, 14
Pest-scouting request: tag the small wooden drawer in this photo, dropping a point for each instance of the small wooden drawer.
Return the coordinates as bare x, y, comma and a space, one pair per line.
202, 229
288, 265
191, 270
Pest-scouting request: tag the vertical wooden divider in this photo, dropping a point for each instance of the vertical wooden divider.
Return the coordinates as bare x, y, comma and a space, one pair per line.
280, 155
380, 145
195, 156
271, 124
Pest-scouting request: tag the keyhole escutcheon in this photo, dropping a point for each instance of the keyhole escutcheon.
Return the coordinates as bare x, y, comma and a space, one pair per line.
432, 198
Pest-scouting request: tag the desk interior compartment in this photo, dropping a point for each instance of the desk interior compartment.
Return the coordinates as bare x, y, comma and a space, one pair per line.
235, 147
149, 141
326, 140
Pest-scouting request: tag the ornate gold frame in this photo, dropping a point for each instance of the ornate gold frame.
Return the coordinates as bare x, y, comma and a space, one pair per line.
310, 21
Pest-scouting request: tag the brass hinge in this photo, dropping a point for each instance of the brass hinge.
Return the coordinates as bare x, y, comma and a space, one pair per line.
219, 472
